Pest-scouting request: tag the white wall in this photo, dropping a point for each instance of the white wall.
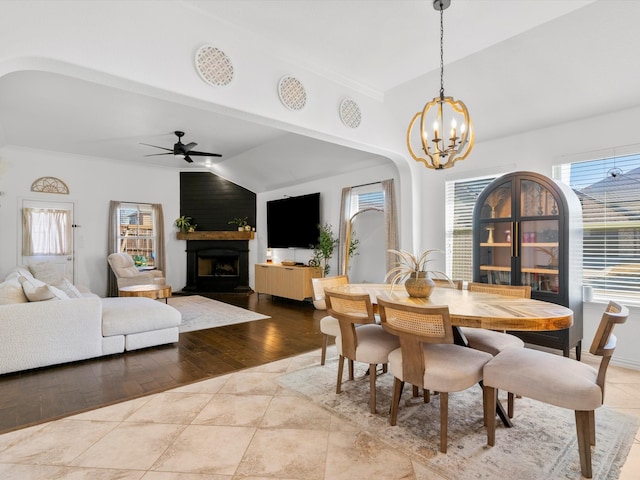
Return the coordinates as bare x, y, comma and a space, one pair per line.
330, 195
92, 182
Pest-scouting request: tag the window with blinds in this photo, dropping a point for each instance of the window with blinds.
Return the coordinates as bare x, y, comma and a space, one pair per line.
136, 234
461, 197
609, 191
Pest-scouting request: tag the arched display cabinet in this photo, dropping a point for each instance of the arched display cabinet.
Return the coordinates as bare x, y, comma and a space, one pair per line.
527, 230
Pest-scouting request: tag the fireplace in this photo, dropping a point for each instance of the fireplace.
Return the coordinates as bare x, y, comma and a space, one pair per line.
217, 266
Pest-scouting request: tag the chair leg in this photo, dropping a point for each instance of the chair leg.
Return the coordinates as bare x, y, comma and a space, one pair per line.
510, 404
350, 369
323, 357
489, 398
592, 427
426, 396
340, 368
415, 391
444, 420
385, 368
372, 387
395, 401
584, 441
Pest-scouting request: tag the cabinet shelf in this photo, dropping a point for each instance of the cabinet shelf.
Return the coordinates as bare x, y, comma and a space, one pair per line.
495, 268
539, 244
495, 244
547, 271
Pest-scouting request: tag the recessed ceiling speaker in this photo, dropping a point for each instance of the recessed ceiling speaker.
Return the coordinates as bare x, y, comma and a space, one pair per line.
214, 66
292, 93
350, 113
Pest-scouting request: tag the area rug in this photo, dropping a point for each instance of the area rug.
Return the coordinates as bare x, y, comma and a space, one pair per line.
542, 443
199, 312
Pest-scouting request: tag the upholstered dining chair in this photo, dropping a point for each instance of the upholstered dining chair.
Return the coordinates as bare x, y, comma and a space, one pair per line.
369, 343
127, 274
329, 325
491, 341
557, 380
428, 357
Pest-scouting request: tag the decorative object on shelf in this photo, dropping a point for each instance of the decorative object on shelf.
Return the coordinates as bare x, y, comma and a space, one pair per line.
553, 255
241, 222
323, 250
495, 199
444, 152
269, 255
184, 224
292, 93
413, 270
350, 113
214, 66
490, 237
50, 185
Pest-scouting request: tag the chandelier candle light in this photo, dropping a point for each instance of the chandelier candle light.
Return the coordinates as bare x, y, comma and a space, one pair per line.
441, 152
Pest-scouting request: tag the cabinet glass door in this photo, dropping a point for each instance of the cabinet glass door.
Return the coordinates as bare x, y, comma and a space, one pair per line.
539, 241
495, 236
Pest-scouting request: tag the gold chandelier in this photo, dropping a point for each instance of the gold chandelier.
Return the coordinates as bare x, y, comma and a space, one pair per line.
435, 148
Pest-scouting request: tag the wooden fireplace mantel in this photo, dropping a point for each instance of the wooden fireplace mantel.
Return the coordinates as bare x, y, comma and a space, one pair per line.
217, 235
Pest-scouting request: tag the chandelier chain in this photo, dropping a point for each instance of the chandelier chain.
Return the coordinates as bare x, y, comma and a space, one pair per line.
441, 51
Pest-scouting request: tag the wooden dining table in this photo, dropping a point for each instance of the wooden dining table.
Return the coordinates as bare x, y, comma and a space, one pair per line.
475, 310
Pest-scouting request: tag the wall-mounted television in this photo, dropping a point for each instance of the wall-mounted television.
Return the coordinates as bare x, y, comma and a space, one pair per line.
293, 222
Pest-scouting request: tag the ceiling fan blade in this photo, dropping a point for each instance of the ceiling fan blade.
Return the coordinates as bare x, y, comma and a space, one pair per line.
189, 146
156, 154
187, 159
204, 154
156, 146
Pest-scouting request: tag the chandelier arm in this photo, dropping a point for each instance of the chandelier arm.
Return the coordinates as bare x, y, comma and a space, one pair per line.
441, 51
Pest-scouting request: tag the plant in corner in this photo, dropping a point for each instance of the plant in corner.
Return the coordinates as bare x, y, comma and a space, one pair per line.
323, 250
184, 224
413, 270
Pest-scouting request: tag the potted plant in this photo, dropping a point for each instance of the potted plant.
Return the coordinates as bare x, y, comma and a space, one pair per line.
184, 224
413, 270
241, 222
323, 250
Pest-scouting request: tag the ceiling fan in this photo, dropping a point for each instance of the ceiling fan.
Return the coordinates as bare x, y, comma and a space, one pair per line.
181, 150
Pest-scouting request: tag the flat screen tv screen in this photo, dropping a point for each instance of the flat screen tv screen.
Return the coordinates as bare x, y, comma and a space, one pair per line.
293, 222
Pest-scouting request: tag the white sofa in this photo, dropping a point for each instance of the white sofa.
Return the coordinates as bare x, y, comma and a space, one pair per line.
74, 325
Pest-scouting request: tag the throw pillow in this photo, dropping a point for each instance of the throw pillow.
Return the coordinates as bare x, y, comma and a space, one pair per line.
69, 288
46, 272
11, 292
35, 290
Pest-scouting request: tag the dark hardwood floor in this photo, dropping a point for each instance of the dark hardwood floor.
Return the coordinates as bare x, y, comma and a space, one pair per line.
35, 396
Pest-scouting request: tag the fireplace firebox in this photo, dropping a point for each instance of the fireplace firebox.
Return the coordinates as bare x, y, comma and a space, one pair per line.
217, 266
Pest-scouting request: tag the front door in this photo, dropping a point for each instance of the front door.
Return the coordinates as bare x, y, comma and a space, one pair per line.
47, 235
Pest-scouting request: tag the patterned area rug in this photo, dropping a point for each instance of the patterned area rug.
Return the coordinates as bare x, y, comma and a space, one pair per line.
541, 445
200, 312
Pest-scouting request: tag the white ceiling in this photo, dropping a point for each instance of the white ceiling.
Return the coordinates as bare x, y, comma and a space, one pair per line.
378, 46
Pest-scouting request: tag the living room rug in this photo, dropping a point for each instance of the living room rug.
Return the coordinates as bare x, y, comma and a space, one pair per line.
542, 444
199, 312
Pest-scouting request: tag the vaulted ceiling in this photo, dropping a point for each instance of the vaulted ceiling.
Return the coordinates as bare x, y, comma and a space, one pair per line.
523, 64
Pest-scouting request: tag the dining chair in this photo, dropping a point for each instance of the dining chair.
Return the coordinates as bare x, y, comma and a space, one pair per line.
329, 325
369, 343
428, 357
557, 380
491, 341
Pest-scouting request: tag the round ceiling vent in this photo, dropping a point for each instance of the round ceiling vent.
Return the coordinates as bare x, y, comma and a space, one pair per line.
350, 113
292, 93
214, 66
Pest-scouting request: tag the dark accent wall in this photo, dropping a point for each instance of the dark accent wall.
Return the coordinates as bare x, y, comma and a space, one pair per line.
212, 201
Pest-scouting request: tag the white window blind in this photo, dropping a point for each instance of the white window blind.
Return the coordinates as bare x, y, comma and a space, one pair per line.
609, 191
461, 197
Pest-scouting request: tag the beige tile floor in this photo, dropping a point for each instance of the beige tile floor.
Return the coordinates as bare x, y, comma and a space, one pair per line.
228, 428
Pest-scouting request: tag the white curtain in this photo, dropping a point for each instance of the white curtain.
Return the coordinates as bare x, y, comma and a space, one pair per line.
46, 231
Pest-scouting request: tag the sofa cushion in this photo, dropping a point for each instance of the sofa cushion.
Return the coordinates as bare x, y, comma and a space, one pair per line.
126, 315
11, 292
